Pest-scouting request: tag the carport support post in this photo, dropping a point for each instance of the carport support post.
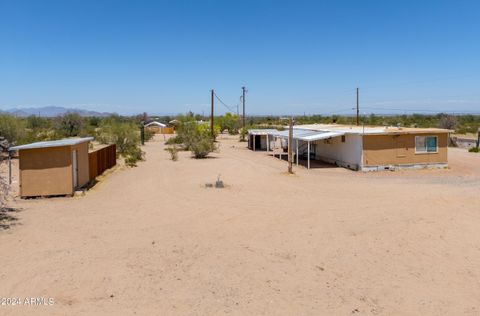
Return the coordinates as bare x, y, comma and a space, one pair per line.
296, 154
308, 153
268, 141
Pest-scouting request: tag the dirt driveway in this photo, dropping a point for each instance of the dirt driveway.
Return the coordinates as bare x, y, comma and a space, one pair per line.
153, 240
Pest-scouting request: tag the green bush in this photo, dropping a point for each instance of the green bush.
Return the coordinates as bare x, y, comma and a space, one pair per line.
148, 134
69, 125
175, 140
13, 129
474, 150
194, 136
202, 147
125, 135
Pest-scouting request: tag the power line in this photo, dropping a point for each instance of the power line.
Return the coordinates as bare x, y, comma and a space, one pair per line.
230, 108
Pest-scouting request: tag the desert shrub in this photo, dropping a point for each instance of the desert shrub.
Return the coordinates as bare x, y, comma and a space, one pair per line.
173, 150
243, 134
133, 155
195, 136
474, 150
228, 122
148, 134
202, 147
125, 135
69, 125
175, 140
448, 122
13, 129
4, 189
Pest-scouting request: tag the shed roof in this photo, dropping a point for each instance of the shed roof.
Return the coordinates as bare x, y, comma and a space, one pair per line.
53, 143
261, 131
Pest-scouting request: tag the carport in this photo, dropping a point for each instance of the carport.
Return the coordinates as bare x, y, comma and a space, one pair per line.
306, 136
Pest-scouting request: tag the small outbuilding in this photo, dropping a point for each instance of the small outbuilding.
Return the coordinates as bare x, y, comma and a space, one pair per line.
53, 167
260, 139
159, 128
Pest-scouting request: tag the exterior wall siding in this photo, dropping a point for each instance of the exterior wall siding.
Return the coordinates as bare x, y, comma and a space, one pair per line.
346, 154
398, 150
45, 171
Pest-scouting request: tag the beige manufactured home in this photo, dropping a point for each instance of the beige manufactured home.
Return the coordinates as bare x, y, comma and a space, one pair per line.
53, 167
369, 148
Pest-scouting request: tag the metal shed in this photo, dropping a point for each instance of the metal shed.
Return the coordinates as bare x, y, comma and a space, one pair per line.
53, 167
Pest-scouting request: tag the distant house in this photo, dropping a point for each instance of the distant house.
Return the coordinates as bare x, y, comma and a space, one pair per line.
53, 167
159, 128
368, 148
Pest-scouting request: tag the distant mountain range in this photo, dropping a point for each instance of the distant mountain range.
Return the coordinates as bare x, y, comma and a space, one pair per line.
52, 111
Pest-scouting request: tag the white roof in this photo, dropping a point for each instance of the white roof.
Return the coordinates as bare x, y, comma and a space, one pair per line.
261, 131
53, 143
321, 135
156, 124
345, 129
307, 135
369, 130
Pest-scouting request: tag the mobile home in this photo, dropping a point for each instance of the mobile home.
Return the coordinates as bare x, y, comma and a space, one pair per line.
370, 148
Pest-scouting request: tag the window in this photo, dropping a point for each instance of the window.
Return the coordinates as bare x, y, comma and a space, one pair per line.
426, 144
343, 138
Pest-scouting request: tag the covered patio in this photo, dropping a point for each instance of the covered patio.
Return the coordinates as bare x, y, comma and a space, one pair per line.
302, 143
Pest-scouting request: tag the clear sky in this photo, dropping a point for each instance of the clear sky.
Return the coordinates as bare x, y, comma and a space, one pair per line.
294, 57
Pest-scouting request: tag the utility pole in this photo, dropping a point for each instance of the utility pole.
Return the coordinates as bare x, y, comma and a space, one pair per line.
243, 116
358, 108
211, 116
290, 146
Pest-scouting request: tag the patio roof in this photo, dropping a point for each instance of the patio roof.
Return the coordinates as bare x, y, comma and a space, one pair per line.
307, 135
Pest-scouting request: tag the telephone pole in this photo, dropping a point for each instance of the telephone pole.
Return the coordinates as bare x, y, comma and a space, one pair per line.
211, 116
243, 102
358, 108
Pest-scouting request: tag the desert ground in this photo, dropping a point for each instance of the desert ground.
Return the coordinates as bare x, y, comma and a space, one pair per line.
153, 240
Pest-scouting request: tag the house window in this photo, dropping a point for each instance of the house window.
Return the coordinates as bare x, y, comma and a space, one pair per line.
426, 144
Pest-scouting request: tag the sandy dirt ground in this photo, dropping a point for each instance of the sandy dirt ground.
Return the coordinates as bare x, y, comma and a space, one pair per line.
153, 240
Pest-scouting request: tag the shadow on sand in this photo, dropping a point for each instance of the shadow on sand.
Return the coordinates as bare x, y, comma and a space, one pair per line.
8, 218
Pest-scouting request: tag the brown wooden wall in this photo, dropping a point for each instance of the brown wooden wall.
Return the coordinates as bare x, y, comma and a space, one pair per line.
101, 160
161, 130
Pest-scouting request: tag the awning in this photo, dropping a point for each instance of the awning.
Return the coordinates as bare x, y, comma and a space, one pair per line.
306, 135
321, 135
296, 133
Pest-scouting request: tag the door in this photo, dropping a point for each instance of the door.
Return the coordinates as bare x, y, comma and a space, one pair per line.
74, 169
258, 142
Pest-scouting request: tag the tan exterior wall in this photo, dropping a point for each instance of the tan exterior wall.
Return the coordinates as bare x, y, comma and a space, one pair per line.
48, 171
82, 163
45, 171
381, 150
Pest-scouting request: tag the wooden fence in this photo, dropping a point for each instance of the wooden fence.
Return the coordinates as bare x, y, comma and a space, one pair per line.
161, 130
102, 159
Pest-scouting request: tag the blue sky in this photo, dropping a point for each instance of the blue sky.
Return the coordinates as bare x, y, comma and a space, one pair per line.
294, 57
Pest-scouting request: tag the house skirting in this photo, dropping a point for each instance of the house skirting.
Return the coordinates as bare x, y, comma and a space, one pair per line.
405, 167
